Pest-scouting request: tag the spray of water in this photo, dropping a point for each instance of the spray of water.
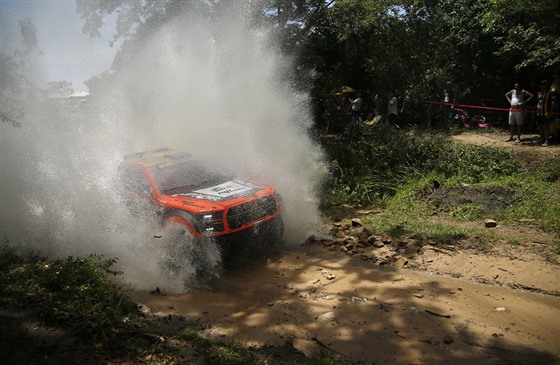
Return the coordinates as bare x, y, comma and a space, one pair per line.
218, 88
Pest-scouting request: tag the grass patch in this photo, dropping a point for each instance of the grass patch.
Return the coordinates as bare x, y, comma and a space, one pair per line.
415, 227
75, 290
416, 177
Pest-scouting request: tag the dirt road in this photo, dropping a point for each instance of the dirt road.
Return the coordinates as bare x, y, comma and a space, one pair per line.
365, 314
528, 149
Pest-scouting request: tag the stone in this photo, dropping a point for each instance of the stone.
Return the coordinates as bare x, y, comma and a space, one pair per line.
328, 275
426, 248
359, 300
430, 254
144, 309
385, 307
399, 278
411, 249
400, 263
363, 236
326, 317
356, 222
361, 243
413, 310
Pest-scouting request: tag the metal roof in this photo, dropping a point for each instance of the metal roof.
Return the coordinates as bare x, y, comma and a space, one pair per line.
158, 157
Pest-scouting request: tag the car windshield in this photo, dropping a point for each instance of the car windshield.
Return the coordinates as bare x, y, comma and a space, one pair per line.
184, 176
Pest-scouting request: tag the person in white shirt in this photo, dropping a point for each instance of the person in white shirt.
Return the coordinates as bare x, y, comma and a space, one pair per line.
517, 97
353, 127
357, 107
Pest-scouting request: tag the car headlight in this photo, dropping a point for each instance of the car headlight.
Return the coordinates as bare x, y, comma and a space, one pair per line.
211, 222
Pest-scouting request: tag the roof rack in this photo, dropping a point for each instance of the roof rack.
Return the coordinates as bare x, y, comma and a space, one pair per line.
157, 152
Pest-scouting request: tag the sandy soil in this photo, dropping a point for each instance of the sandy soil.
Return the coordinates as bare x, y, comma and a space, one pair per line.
364, 313
442, 305
529, 148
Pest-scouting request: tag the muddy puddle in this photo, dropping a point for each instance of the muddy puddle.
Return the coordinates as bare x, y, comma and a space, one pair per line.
319, 300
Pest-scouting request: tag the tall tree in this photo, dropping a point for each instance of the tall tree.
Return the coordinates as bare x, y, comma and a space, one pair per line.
375, 45
526, 31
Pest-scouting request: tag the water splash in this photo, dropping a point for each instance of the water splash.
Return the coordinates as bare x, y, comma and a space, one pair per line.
217, 88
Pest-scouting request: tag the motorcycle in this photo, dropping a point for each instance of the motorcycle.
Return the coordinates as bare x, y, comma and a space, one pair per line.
463, 120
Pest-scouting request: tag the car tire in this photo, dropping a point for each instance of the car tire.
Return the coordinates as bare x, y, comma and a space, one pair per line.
198, 260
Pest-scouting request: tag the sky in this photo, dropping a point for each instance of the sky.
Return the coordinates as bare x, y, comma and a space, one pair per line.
65, 53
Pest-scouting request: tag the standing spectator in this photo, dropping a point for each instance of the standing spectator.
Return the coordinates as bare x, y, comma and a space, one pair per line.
517, 97
353, 127
356, 108
449, 99
400, 101
392, 109
530, 116
545, 105
554, 127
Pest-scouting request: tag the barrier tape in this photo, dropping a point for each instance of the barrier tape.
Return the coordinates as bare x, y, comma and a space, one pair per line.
481, 107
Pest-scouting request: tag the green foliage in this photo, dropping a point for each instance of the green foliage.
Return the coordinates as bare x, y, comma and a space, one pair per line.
476, 164
525, 31
548, 170
539, 202
391, 223
468, 211
376, 45
364, 172
187, 333
405, 201
71, 289
419, 175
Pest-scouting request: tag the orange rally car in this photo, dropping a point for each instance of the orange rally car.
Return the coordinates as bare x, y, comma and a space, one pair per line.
207, 202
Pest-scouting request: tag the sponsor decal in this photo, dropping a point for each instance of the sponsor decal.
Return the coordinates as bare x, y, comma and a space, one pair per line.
225, 190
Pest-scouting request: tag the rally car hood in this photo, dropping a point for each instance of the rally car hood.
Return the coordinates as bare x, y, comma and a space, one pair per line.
219, 194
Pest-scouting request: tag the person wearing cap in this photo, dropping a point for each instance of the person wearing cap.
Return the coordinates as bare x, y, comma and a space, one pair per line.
545, 105
517, 98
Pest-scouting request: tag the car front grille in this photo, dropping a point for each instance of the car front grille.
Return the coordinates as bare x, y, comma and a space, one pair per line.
253, 211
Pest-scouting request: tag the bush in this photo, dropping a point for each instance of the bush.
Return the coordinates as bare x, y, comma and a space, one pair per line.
71, 289
363, 172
